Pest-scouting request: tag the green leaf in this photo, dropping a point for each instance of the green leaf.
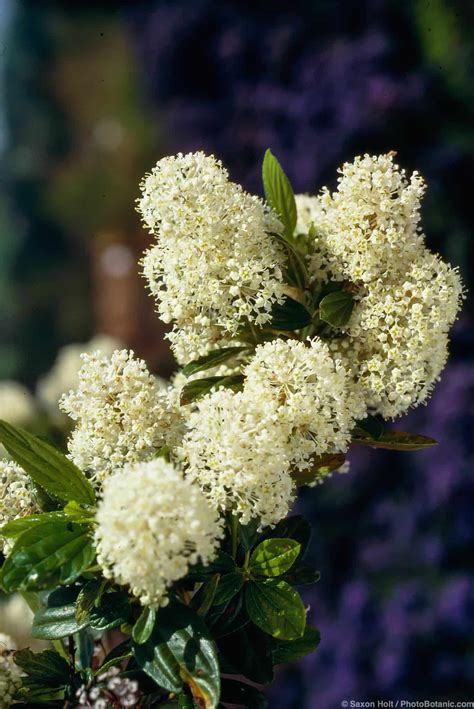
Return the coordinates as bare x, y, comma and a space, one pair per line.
50, 553
79, 513
321, 466
88, 596
199, 387
249, 533
179, 652
273, 557
47, 668
248, 652
278, 192
371, 425
205, 596
295, 527
290, 315
56, 622
294, 650
143, 628
47, 466
394, 440
112, 611
336, 308
276, 608
229, 586
212, 359
227, 618
222, 564
302, 574
16, 527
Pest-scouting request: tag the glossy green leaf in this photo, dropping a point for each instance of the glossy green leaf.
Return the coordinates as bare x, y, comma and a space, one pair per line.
295, 649
278, 192
276, 608
295, 527
336, 308
228, 587
88, 597
56, 622
180, 651
46, 465
394, 440
143, 627
16, 527
290, 315
321, 466
212, 359
227, 618
53, 552
274, 557
112, 611
222, 564
249, 653
199, 387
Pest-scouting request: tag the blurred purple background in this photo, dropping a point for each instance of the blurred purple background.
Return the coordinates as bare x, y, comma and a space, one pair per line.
95, 94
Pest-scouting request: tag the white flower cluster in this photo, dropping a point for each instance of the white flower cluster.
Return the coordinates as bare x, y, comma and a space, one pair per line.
214, 265
236, 454
16, 499
310, 393
152, 525
10, 680
64, 374
397, 338
123, 414
369, 227
111, 691
368, 233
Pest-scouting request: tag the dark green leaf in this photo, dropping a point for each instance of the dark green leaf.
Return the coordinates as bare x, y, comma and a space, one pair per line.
248, 533
243, 695
273, 557
302, 574
47, 667
276, 608
51, 553
212, 359
227, 618
199, 387
222, 564
371, 425
46, 465
290, 315
394, 440
336, 308
294, 650
85, 647
87, 598
320, 467
55, 622
278, 192
119, 654
112, 611
143, 628
205, 596
296, 527
248, 652
179, 652
229, 586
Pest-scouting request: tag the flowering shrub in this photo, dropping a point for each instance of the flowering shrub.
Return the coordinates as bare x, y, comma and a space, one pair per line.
300, 324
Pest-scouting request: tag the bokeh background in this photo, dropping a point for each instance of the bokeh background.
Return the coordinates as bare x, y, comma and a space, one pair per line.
91, 95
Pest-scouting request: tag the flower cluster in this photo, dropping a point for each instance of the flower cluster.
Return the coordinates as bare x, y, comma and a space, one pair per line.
10, 680
152, 525
123, 414
16, 499
215, 265
109, 690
